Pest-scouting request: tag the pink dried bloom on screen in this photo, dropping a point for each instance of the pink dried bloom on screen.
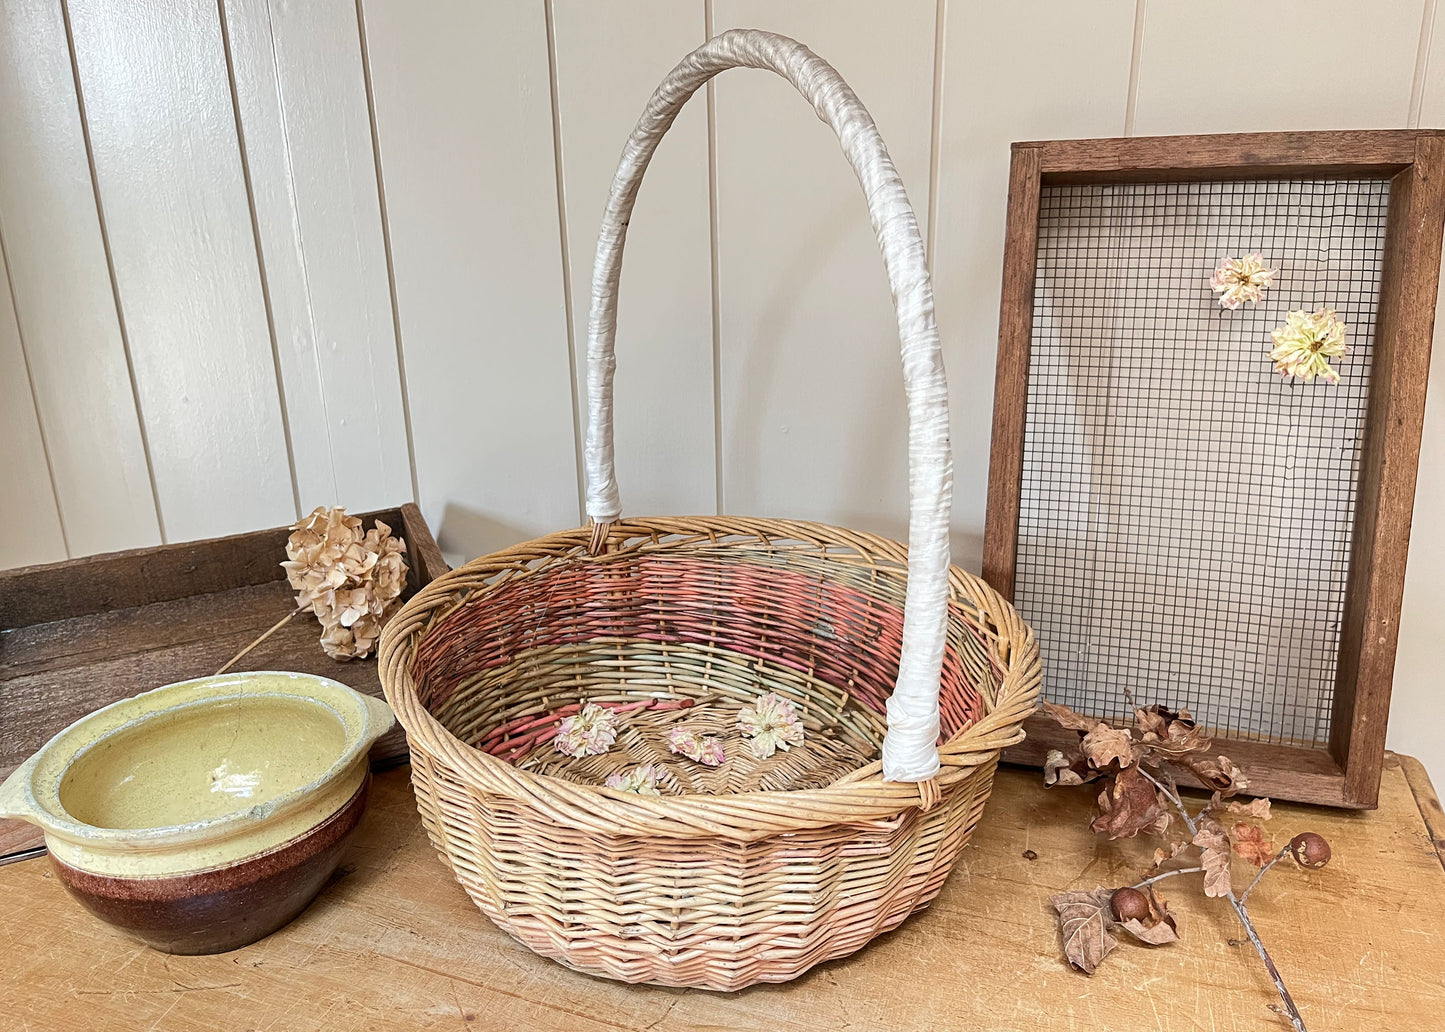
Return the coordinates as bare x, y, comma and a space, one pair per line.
1306, 342
704, 749
588, 732
772, 724
1238, 280
643, 780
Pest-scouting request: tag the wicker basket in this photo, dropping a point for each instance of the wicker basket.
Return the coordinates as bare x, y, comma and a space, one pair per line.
757, 869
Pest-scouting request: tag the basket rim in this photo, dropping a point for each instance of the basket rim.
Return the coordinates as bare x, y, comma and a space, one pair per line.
859, 797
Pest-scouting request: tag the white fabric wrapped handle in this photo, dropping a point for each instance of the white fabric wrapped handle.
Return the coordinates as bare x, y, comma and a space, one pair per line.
910, 750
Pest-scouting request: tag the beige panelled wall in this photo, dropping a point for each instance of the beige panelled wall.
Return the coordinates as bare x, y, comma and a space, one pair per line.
263, 255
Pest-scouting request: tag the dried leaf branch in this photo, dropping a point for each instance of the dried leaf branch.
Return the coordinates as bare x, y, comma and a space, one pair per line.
1140, 794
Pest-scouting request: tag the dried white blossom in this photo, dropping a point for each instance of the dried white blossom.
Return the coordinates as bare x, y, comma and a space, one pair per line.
1306, 342
642, 780
772, 724
588, 732
1238, 280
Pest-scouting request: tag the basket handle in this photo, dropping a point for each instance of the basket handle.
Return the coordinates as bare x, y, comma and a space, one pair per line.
910, 748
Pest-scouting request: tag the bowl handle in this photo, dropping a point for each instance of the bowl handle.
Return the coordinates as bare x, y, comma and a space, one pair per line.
379, 718
14, 800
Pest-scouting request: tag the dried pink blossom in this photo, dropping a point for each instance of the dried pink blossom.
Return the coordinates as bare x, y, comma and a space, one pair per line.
772, 724
589, 732
643, 780
1306, 342
704, 749
1238, 280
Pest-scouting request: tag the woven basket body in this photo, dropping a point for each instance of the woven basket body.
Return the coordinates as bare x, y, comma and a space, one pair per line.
759, 868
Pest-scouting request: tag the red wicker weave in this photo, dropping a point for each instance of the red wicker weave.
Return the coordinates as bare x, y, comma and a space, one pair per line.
759, 868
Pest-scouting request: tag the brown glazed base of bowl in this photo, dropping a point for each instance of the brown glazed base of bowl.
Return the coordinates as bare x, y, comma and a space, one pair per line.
223, 908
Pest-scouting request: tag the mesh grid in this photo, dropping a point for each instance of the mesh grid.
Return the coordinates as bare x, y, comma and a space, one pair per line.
1186, 514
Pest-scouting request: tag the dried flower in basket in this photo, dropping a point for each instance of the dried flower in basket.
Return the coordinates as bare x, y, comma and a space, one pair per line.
351, 580
704, 749
642, 780
772, 724
1238, 280
1306, 342
588, 732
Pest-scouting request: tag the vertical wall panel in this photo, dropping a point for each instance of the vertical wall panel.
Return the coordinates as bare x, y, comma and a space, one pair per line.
63, 297
1420, 655
27, 503
173, 198
1243, 66
301, 92
464, 123
814, 422
609, 59
1069, 91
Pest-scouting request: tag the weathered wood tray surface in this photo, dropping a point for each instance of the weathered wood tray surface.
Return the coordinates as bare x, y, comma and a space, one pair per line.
77, 635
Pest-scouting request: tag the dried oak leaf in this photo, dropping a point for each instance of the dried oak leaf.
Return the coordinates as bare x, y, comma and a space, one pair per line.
1250, 843
1086, 926
1213, 842
1161, 857
1104, 745
1257, 809
1158, 927
1128, 805
1067, 718
1062, 769
1218, 773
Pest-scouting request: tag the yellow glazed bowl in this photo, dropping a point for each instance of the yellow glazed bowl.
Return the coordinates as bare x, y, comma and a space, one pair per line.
203, 815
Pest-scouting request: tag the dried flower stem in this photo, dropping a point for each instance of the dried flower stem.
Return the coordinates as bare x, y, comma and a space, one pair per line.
1240, 911
1167, 874
274, 628
1283, 852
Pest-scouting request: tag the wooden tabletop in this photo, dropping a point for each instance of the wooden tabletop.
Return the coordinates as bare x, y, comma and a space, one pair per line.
394, 943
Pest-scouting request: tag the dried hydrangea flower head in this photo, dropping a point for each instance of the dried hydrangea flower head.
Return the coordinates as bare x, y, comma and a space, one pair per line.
1238, 280
642, 780
588, 732
351, 580
704, 749
1306, 342
772, 724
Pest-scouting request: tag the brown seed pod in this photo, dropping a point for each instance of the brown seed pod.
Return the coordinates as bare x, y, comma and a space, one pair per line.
1130, 905
1310, 850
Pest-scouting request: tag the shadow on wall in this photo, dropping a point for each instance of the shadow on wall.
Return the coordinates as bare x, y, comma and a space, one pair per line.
465, 534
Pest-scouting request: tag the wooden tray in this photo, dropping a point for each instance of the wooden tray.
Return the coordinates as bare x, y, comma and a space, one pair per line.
77, 635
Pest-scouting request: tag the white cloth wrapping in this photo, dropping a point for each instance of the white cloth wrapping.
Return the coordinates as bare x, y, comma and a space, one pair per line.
910, 747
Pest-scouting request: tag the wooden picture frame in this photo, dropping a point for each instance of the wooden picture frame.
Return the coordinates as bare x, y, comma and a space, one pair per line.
1347, 772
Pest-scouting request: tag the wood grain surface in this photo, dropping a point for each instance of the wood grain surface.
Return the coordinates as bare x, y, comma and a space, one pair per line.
394, 943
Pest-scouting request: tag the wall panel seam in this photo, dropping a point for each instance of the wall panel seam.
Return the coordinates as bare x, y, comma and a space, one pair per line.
386, 248
110, 272
563, 237
935, 132
34, 404
719, 481
256, 242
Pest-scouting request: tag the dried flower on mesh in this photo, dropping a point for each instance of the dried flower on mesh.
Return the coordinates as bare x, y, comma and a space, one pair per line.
1306, 342
350, 579
771, 724
642, 780
704, 749
588, 732
1238, 280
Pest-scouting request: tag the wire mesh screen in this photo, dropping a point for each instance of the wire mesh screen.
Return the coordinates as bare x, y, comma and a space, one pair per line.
1185, 512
